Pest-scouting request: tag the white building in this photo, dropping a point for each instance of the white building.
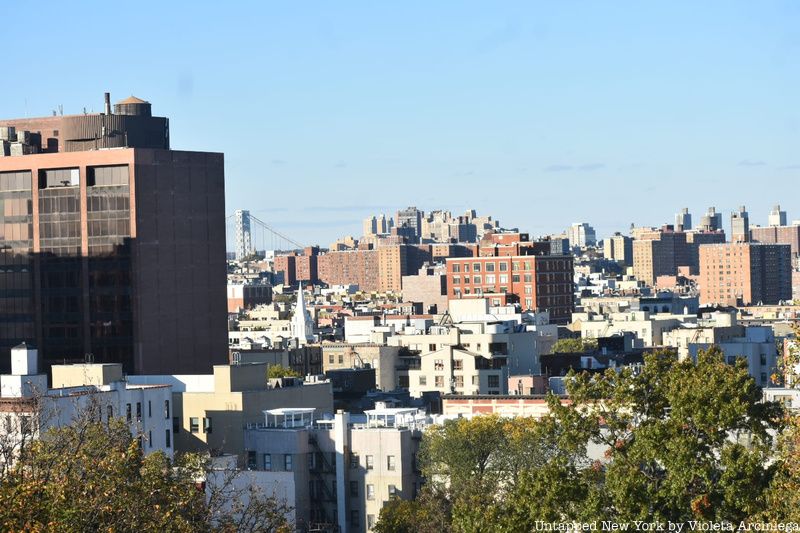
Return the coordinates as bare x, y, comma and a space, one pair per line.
757, 346
30, 408
343, 470
581, 234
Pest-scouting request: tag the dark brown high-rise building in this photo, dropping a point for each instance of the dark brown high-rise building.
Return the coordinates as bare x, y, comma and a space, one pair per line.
112, 244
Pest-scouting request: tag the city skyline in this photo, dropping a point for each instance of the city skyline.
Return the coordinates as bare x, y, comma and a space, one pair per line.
329, 111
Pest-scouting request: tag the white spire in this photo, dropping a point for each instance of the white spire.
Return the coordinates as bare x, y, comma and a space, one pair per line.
302, 326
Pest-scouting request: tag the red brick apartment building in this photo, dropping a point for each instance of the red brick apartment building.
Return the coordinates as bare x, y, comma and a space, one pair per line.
745, 273
537, 282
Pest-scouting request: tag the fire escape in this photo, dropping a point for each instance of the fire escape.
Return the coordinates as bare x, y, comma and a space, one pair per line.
320, 469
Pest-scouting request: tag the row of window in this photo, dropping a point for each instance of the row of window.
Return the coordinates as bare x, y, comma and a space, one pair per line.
129, 411
438, 381
370, 461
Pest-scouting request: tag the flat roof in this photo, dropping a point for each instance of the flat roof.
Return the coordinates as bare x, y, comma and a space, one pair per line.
283, 411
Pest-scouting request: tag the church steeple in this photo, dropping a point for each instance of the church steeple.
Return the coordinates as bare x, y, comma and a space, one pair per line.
302, 325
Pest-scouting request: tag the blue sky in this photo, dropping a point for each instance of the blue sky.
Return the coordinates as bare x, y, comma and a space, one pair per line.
539, 113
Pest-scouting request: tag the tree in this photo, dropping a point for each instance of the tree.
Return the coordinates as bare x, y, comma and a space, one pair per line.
685, 440
280, 371
574, 345
682, 440
91, 476
783, 496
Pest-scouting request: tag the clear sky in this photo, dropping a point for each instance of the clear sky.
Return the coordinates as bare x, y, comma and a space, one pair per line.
539, 113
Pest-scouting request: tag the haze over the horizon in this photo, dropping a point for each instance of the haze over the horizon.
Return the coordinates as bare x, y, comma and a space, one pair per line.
539, 114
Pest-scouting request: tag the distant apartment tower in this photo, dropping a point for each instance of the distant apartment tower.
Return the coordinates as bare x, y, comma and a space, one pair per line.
740, 225
683, 220
370, 226
745, 273
619, 247
777, 217
581, 234
659, 253
118, 253
410, 217
779, 235
244, 240
711, 221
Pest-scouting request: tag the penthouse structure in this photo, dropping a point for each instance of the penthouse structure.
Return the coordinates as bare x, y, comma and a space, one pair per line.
113, 244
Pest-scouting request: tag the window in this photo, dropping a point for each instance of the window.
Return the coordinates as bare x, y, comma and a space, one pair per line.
251, 460
150, 439
439, 381
128, 412
353, 460
354, 518
330, 358
438, 364
489, 267
139, 411
763, 359
370, 464
431, 347
354, 488
503, 268
503, 278
267, 462
370, 521
490, 279
423, 380
176, 424
194, 424
25, 425
476, 267
341, 358
207, 425
494, 381
515, 278
456, 267
390, 463
167, 438
459, 381
149, 409
392, 490
311, 461
370, 492
458, 364
166, 409
456, 280
287, 462
476, 280
109, 412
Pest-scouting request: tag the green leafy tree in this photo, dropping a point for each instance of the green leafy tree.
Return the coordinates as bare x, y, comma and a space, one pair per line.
574, 345
783, 496
685, 440
91, 476
280, 371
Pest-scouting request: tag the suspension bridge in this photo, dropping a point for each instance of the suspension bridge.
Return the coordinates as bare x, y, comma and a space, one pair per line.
246, 235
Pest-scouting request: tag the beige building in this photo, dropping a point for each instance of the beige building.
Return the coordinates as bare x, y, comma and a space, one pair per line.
648, 329
429, 287
714, 329
384, 359
211, 410
450, 370
343, 471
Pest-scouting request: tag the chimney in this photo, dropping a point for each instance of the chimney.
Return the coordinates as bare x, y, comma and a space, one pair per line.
108, 103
